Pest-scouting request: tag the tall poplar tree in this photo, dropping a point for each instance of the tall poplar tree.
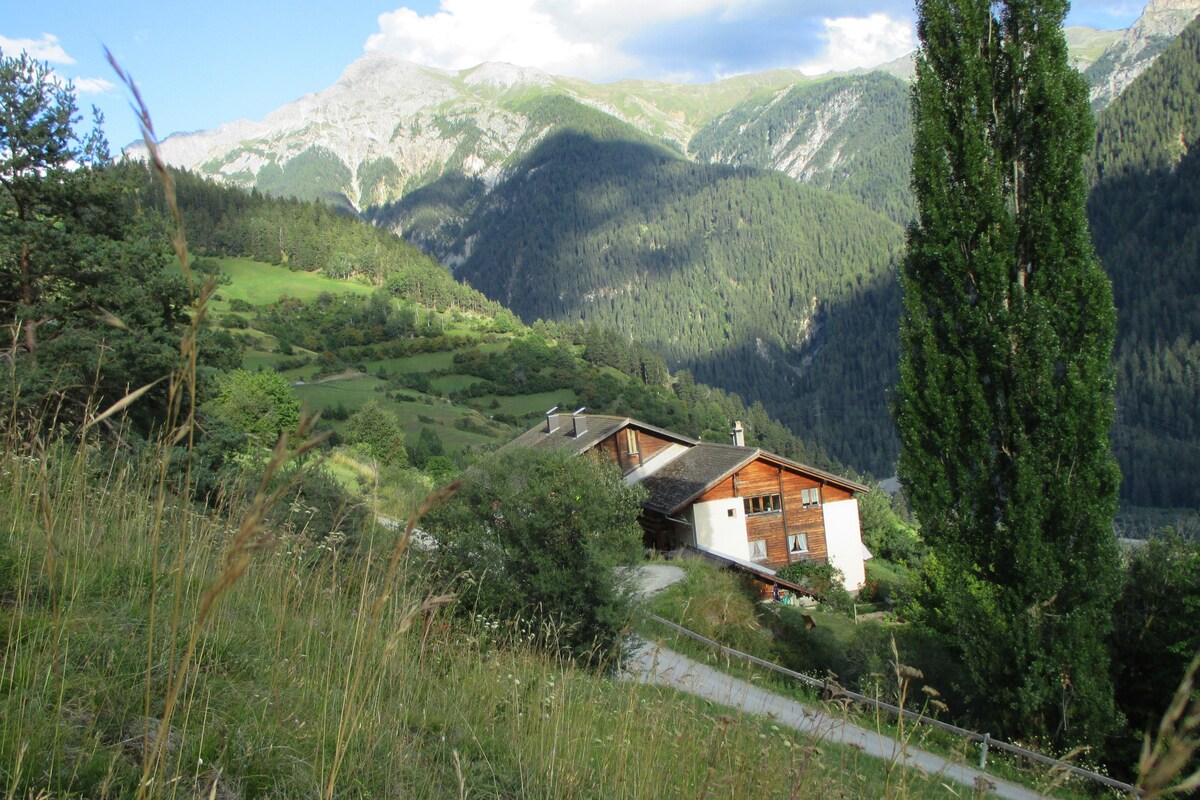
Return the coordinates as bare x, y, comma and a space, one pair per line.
1005, 395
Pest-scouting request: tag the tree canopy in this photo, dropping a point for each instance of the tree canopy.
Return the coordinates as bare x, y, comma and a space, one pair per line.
1005, 396
90, 305
542, 534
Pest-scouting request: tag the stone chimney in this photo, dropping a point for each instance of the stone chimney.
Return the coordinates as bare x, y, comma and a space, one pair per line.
579, 421
738, 434
551, 420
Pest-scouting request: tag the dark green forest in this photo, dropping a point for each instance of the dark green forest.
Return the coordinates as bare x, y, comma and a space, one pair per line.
1144, 211
739, 275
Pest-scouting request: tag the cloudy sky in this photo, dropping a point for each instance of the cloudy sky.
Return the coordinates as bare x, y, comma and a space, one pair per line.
199, 65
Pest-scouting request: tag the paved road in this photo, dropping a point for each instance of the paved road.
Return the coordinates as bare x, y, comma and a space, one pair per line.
654, 664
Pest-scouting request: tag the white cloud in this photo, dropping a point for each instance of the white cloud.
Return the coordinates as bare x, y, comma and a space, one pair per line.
464, 33
93, 85
580, 38
45, 49
861, 42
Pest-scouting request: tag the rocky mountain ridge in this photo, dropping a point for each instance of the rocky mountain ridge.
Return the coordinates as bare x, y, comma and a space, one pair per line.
1137, 48
387, 127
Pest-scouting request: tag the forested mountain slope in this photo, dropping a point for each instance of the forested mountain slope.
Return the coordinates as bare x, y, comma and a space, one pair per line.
755, 283
851, 134
1145, 218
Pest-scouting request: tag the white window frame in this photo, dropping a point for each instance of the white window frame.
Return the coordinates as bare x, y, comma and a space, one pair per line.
797, 537
755, 544
811, 497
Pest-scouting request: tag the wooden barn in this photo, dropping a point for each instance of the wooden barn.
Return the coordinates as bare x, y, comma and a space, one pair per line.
740, 502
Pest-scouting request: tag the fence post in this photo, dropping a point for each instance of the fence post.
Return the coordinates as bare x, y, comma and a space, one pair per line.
983, 748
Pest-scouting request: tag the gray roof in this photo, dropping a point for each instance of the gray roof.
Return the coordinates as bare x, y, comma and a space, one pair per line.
597, 427
678, 482
692, 473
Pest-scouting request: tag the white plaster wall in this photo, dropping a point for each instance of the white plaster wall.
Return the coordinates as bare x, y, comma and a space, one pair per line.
719, 532
843, 539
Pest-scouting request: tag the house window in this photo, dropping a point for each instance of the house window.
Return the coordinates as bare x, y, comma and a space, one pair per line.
761, 504
731, 512
797, 543
810, 498
758, 549
631, 441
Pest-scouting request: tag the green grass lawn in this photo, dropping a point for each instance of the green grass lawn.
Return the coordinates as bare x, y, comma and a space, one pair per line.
350, 393
422, 362
261, 284
525, 404
452, 383
412, 414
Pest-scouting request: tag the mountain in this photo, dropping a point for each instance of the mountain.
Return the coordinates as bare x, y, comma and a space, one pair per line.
848, 134
1137, 48
1144, 211
387, 127
740, 275
746, 229
1085, 45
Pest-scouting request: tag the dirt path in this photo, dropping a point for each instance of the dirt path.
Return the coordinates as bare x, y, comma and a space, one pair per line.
654, 664
653, 578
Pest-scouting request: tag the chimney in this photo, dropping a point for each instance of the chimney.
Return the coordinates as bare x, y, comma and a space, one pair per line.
737, 435
551, 420
579, 422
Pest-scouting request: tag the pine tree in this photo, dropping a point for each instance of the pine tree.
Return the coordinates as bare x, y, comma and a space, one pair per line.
1005, 395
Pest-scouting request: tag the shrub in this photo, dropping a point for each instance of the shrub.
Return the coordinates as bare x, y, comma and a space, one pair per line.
542, 534
317, 506
823, 578
378, 432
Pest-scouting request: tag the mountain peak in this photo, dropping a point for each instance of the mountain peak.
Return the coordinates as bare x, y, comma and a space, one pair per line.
502, 75
376, 65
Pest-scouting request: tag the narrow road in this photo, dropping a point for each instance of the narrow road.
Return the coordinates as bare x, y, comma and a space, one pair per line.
654, 664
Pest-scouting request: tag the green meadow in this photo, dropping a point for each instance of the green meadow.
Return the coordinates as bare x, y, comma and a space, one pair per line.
260, 284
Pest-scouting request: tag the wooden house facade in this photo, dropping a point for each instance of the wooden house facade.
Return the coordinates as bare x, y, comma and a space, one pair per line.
741, 502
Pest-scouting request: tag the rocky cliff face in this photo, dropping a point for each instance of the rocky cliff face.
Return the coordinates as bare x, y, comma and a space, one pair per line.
1135, 49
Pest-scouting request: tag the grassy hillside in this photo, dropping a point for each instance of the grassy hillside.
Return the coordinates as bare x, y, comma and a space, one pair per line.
150, 650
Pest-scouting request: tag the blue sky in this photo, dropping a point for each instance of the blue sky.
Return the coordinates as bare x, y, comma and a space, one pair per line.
199, 65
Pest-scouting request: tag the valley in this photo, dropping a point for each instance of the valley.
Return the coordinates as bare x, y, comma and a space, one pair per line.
735, 228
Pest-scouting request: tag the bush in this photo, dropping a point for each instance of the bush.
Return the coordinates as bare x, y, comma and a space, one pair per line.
542, 533
824, 579
317, 506
378, 432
